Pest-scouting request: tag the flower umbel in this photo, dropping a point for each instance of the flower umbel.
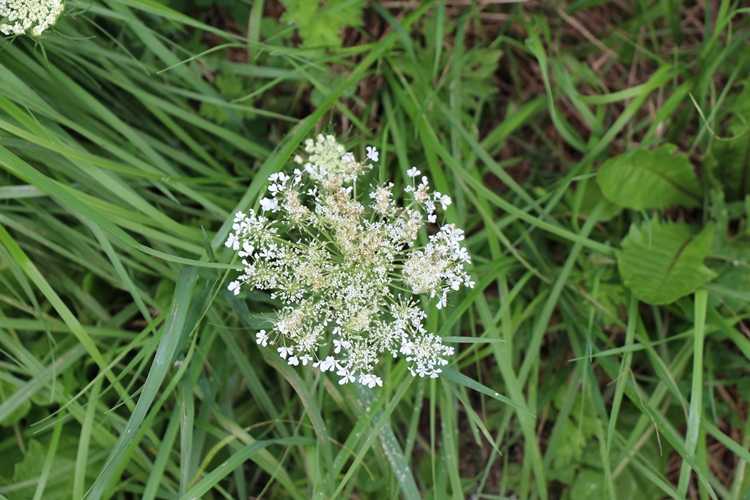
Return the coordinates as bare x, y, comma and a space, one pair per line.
346, 269
19, 16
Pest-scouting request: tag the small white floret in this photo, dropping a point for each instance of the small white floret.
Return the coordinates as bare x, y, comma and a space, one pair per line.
444, 200
339, 344
232, 242
372, 153
247, 249
269, 204
328, 364
285, 351
346, 376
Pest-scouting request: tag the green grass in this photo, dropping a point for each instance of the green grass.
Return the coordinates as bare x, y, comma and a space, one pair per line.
128, 371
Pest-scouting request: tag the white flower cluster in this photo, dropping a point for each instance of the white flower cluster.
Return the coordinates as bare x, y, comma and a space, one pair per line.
18, 16
345, 270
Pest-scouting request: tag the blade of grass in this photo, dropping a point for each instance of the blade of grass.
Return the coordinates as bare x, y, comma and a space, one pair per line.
187, 416
79, 474
228, 466
60, 307
526, 419
311, 407
49, 459
157, 476
622, 378
696, 391
382, 421
290, 142
370, 409
161, 364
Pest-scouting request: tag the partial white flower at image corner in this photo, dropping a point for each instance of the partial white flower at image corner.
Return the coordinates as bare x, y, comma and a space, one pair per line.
29, 15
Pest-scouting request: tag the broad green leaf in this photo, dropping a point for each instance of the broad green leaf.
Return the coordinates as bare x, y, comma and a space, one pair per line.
642, 179
663, 261
589, 485
591, 196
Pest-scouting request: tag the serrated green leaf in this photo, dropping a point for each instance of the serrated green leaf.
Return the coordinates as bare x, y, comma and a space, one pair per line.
729, 160
321, 26
719, 215
231, 86
26, 472
642, 179
473, 83
661, 262
6, 390
589, 485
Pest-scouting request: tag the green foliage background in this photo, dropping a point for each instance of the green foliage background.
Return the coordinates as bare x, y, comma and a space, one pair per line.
601, 176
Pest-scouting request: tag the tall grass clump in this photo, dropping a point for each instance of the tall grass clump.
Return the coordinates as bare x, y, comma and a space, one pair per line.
490, 250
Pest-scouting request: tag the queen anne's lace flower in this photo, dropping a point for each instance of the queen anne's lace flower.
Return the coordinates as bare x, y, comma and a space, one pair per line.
346, 271
18, 16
